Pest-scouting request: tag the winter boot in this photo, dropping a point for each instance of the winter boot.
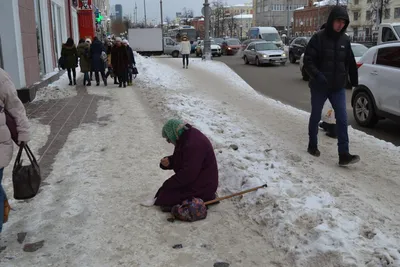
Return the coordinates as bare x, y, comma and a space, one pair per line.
313, 150
124, 85
89, 83
105, 82
120, 85
74, 82
183, 66
70, 82
347, 159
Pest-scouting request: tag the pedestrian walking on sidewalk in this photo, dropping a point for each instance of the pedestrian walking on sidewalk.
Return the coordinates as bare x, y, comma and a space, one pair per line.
194, 164
9, 102
110, 71
119, 61
329, 61
131, 62
96, 50
84, 55
185, 48
70, 55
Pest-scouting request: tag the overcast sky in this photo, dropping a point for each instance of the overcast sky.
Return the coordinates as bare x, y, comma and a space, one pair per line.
170, 7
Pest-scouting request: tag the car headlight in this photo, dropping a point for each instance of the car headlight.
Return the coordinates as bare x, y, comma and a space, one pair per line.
229, 48
283, 55
265, 56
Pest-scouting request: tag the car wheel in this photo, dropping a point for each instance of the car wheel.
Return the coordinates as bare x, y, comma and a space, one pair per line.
305, 75
363, 110
175, 54
292, 58
258, 63
246, 61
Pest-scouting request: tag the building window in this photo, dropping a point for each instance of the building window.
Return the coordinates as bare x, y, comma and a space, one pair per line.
397, 12
356, 15
39, 37
355, 2
355, 32
258, 9
265, 8
368, 15
387, 13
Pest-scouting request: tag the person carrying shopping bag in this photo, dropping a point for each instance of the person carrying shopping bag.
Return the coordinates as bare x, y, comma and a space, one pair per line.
11, 104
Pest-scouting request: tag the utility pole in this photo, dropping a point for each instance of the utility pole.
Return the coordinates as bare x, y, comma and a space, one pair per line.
207, 43
145, 14
288, 20
135, 18
162, 24
381, 12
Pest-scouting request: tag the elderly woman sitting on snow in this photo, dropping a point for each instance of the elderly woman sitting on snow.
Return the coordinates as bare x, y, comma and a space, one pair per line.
194, 163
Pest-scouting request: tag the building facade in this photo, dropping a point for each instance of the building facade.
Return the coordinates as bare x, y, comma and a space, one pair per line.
118, 12
225, 22
308, 20
243, 23
276, 13
31, 36
364, 20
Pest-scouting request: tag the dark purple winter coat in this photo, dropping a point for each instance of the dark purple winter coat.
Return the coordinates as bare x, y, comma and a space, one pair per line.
196, 170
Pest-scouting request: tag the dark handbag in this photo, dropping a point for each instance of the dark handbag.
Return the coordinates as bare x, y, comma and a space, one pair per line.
11, 124
26, 179
61, 63
135, 71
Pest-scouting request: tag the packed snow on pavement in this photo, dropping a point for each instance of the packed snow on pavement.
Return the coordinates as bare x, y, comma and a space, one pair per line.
316, 212
313, 213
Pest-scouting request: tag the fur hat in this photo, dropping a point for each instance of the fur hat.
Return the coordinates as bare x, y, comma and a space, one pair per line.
88, 41
125, 42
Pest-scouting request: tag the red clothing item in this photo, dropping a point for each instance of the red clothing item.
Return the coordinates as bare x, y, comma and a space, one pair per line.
196, 170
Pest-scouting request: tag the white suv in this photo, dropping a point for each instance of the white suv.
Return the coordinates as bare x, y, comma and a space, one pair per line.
378, 94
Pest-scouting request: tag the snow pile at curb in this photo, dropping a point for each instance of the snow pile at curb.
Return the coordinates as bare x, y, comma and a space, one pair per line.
311, 225
58, 89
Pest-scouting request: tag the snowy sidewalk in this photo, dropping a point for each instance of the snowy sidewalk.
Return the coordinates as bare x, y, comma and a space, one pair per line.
88, 211
317, 213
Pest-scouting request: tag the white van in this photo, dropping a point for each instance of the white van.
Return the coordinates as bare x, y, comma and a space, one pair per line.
389, 32
269, 34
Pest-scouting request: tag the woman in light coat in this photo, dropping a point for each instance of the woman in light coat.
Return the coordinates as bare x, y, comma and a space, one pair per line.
9, 101
185, 48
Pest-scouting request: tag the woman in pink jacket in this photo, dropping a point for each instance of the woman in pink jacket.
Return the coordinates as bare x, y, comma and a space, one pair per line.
9, 101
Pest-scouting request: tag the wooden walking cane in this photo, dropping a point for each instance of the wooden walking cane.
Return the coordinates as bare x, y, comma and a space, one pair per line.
235, 194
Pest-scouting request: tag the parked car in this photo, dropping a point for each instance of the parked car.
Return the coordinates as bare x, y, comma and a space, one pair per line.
230, 46
218, 41
358, 50
297, 47
378, 95
215, 49
262, 52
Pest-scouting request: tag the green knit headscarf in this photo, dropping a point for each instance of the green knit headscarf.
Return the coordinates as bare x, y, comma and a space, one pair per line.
173, 129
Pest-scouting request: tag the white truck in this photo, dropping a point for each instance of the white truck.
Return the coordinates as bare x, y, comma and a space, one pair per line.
148, 42
389, 32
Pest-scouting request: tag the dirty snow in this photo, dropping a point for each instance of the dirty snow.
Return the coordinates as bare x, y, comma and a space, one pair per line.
317, 213
313, 213
58, 89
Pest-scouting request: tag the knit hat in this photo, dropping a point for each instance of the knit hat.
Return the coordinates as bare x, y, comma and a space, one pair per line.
118, 39
88, 41
173, 129
125, 42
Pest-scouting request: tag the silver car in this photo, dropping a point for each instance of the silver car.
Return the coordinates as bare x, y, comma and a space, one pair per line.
261, 52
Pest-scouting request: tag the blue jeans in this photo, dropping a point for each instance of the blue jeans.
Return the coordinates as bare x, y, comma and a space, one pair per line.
3, 197
338, 101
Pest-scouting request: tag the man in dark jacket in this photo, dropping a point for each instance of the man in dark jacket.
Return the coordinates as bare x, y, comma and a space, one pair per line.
119, 61
329, 61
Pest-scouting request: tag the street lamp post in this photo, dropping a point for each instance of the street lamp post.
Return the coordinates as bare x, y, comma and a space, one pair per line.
145, 15
162, 23
207, 43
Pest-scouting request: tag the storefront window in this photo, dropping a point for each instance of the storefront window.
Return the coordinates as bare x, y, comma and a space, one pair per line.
57, 35
39, 38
